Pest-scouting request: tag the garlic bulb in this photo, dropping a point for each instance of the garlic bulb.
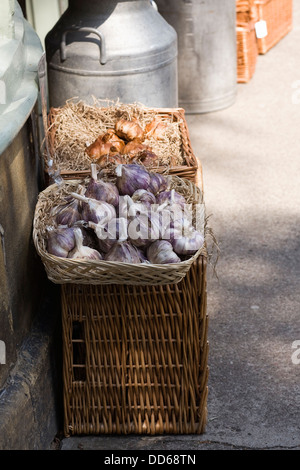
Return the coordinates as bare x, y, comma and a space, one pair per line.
161, 252
130, 178
83, 252
101, 190
95, 211
143, 196
108, 234
158, 183
189, 243
171, 197
60, 241
69, 214
123, 252
89, 237
145, 228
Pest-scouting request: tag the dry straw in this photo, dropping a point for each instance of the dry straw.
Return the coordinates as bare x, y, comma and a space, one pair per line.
76, 124
65, 270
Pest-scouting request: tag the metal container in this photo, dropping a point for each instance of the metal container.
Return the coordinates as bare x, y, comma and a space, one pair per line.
206, 30
112, 50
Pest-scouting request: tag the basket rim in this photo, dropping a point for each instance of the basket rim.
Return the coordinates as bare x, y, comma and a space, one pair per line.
103, 265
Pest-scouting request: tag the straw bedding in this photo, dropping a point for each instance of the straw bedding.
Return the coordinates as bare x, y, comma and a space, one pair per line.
76, 125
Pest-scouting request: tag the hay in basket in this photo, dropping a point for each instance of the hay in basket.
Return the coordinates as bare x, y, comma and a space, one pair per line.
66, 270
76, 125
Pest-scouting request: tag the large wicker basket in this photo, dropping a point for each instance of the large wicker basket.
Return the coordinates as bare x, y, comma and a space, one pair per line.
278, 15
66, 270
190, 168
247, 50
135, 358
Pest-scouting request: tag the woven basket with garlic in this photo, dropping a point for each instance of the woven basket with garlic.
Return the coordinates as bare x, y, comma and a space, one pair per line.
135, 227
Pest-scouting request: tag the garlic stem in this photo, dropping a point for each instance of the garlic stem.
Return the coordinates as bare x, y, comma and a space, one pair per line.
94, 171
82, 198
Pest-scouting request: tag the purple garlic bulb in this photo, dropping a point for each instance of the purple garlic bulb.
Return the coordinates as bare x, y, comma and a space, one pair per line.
158, 183
131, 177
95, 211
187, 244
60, 241
67, 214
108, 234
171, 197
145, 228
123, 252
102, 190
144, 197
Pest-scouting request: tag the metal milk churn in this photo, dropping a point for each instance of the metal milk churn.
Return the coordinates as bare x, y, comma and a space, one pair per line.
112, 50
206, 30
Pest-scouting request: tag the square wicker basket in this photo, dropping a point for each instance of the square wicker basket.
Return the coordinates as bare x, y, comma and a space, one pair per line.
189, 168
135, 358
278, 15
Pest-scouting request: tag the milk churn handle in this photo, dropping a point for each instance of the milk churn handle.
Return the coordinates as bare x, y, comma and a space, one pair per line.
84, 29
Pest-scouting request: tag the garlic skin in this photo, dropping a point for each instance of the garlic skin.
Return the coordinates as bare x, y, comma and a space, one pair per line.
123, 252
94, 210
131, 177
101, 190
143, 196
161, 252
188, 244
68, 213
110, 233
60, 241
158, 183
171, 197
81, 252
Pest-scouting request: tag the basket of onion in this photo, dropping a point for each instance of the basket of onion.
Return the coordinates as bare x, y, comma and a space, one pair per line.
136, 228
79, 134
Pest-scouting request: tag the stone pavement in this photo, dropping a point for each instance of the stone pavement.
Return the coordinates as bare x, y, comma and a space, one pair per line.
250, 155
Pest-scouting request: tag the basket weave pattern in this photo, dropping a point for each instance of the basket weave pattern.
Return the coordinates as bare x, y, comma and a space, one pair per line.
278, 15
247, 50
135, 357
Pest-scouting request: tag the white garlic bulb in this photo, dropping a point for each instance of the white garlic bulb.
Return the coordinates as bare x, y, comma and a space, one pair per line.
81, 252
161, 252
